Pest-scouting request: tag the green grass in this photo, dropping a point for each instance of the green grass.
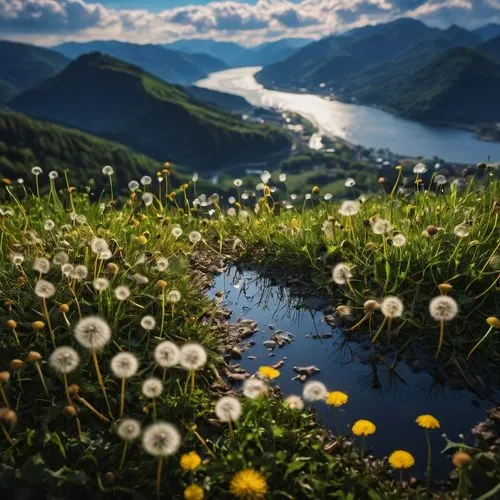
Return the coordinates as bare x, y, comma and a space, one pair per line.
42, 454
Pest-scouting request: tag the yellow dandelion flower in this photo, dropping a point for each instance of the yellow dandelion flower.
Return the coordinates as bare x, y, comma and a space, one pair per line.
363, 428
194, 492
315, 190
190, 461
269, 372
428, 422
401, 459
142, 240
248, 484
337, 398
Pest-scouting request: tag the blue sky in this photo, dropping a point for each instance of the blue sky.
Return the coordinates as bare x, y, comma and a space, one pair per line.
250, 22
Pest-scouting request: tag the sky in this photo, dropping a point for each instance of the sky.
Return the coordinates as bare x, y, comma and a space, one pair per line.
250, 22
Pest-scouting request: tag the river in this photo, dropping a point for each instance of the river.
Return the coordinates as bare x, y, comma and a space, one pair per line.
363, 125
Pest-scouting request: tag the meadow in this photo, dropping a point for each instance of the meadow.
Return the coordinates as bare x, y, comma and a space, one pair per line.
112, 352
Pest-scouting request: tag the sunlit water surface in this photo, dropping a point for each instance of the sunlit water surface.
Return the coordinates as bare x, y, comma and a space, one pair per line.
391, 400
369, 127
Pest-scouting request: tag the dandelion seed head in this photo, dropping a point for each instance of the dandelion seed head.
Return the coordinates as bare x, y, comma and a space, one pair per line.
195, 177
419, 168
162, 264
101, 284
349, 182
124, 365
44, 289
440, 180
41, 265
36, 171
314, 391
399, 240
17, 259
238, 182
80, 272
294, 402
92, 332
53, 175
129, 429
265, 176
64, 359
461, 231
194, 237
60, 258
282, 177
49, 224
443, 308
146, 180
161, 439
133, 186
152, 387
140, 279
341, 273
349, 208
254, 388
122, 292
228, 409
176, 232
381, 226
147, 199
67, 269
148, 323
99, 245
392, 307
173, 296
108, 170
167, 354
192, 356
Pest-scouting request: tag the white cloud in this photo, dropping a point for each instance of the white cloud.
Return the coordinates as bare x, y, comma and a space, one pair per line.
51, 21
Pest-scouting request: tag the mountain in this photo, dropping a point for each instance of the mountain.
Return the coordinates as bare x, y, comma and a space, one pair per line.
23, 66
488, 31
170, 65
25, 142
461, 37
334, 59
491, 48
227, 102
228, 52
108, 97
460, 86
235, 55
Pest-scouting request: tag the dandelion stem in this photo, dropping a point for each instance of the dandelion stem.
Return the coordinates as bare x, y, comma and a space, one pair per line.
154, 409
42, 378
47, 317
85, 403
428, 468
483, 338
66, 389
122, 397
158, 475
441, 337
7, 435
379, 330
101, 382
360, 322
124, 454
4, 397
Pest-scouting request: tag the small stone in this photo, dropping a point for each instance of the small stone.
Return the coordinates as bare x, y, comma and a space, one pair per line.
251, 357
269, 344
235, 353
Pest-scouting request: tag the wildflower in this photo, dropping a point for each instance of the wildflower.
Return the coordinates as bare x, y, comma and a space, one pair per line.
129, 429
194, 492
461, 459
427, 422
147, 199
194, 237
133, 186
49, 225
363, 428
494, 324
228, 409
328, 196
67, 269
190, 461
265, 176
443, 308
238, 183
17, 259
192, 356
341, 273
64, 360
282, 177
254, 388
92, 332
44, 289
381, 226
162, 264
349, 208
461, 231
167, 354
294, 402
337, 398
124, 365
38, 325
314, 391
399, 240
349, 182
152, 387
392, 307
401, 459
140, 279
148, 323
36, 171
269, 372
60, 258
248, 484
161, 439
173, 296
440, 180
419, 168
108, 170
146, 180
315, 190
101, 284
176, 232
41, 265
122, 292
80, 272
99, 245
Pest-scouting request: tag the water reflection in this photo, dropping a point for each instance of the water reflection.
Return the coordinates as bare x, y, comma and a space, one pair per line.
369, 127
380, 388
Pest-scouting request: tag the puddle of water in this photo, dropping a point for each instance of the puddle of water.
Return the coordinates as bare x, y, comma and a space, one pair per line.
391, 402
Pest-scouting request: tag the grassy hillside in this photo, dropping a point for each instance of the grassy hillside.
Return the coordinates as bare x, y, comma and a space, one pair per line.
170, 65
23, 66
111, 98
491, 48
25, 142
